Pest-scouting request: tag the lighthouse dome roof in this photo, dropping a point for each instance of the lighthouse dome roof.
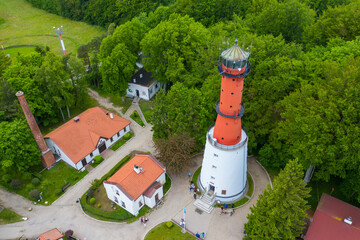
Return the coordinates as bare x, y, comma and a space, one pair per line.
235, 53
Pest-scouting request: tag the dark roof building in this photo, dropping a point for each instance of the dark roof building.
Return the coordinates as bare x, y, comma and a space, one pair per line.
334, 220
142, 77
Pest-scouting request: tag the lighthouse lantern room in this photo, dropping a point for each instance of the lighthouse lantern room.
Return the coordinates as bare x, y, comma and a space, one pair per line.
224, 166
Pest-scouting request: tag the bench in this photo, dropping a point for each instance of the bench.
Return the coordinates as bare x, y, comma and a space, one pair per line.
65, 187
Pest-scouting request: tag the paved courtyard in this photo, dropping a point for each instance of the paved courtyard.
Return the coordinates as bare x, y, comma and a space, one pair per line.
66, 214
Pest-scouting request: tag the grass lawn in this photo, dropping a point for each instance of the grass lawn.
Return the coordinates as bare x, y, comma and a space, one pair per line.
135, 116
167, 184
23, 50
251, 185
51, 182
162, 232
115, 99
7, 216
146, 108
25, 24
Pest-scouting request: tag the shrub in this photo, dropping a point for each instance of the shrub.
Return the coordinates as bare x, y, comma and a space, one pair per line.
38, 175
92, 201
69, 233
6, 178
35, 181
99, 205
26, 176
98, 159
15, 184
34, 194
127, 136
169, 224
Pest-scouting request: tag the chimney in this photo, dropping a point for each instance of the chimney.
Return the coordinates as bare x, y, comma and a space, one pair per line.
136, 169
46, 155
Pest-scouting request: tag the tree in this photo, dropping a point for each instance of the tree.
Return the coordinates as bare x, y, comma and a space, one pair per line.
77, 73
18, 147
54, 83
279, 213
8, 104
175, 152
174, 50
288, 18
117, 69
320, 124
342, 21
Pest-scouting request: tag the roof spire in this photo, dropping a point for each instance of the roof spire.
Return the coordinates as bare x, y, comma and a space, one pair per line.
236, 42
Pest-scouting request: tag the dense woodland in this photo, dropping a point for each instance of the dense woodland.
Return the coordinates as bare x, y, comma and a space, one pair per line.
301, 97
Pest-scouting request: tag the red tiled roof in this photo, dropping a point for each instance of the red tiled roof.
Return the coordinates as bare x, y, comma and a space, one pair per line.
328, 221
78, 139
53, 234
151, 190
136, 184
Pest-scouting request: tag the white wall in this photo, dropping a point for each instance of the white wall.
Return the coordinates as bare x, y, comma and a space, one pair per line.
121, 197
145, 92
79, 166
151, 201
225, 169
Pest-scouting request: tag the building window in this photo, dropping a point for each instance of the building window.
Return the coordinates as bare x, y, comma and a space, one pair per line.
118, 134
213, 166
116, 200
129, 90
212, 178
117, 192
111, 139
123, 204
156, 86
215, 155
91, 154
223, 192
140, 204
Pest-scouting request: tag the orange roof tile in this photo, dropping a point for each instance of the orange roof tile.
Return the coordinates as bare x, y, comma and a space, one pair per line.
136, 184
78, 139
53, 234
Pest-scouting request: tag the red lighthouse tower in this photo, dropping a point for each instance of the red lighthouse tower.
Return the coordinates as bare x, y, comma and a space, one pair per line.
233, 69
224, 167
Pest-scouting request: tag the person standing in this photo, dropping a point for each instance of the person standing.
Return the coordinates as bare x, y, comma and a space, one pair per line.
195, 196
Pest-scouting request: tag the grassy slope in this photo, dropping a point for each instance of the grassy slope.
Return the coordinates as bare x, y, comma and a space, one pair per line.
7, 216
25, 24
162, 232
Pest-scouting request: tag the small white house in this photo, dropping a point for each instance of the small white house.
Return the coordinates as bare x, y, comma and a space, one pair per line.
79, 140
53, 234
143, 85
139, 182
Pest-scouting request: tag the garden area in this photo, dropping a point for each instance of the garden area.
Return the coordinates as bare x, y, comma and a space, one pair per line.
7, 216
115, 99
167, 230
146, 108
96, 204
122, 141
44, 186
136, 117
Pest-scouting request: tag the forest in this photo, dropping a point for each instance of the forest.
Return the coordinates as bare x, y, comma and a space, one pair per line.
301, 97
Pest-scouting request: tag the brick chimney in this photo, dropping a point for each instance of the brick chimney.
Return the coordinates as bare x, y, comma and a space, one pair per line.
47, 156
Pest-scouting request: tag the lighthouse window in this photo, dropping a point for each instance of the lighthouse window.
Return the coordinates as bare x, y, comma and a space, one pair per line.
232, 93
223, 192
222, 138
230, 106
238, 137
212, 178
227, 123
213, 166
215, 155
233, 79
221, 103
222, 90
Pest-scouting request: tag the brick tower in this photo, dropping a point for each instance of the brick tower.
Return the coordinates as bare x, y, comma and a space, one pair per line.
47, 156
224, 165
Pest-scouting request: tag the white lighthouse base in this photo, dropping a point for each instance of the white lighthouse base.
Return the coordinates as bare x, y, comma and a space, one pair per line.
224, 168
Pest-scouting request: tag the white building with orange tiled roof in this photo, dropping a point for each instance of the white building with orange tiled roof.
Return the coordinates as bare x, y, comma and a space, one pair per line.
139, 182
53, 234
79, 140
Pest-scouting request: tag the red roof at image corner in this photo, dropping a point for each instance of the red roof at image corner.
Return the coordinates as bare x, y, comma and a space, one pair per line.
328, 221
53, 234
78, 139
136, 184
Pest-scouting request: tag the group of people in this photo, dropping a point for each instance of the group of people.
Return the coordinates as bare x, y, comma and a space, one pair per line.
192, 189
144, 220
200, 235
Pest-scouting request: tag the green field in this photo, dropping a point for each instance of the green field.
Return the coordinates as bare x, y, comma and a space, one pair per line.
25, 24
162, 232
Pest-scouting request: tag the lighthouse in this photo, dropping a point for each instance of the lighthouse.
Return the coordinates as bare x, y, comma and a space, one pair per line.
223, 173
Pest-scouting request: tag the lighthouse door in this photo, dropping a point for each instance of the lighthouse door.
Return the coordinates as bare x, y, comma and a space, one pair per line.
211, 187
